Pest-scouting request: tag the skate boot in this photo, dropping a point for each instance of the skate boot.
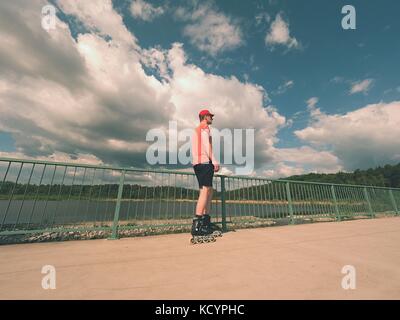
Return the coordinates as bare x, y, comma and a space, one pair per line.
216, 230
200, 232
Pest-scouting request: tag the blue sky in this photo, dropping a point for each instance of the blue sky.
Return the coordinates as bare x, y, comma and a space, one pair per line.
370, 51
319, 77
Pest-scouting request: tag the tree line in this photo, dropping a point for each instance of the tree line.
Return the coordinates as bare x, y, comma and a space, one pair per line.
386, 176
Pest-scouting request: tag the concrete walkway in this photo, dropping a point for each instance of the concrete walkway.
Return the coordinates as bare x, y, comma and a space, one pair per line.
289, 262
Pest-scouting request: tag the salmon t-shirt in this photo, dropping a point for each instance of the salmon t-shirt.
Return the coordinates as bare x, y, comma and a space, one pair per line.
202, 145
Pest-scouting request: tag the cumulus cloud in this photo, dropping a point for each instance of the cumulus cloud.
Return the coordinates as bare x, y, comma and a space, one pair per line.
66, 97
94, 97
281, 170
99, 17
78, 158
279, 34
25, 50
364, 138
209, 30
361, 86
92, 107
229, 99
319, 161
145, 11
300, 160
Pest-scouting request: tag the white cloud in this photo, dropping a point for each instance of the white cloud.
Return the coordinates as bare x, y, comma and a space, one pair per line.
282, 170
305, 155
91, 98
94, 97
209, 30
228, 98
312, 102
58, 156
289, 84
284, 87
301, 160
312, 106
279, 33
99, 16
145, 11
363, 138
156, 59
78, 97
361, 86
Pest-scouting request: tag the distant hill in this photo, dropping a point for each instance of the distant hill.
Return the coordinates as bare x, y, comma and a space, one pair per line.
387, 176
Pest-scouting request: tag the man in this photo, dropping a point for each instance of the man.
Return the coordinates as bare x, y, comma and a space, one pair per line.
204, 165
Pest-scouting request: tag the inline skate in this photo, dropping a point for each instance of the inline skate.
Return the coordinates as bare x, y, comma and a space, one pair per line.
216, 230
201, 232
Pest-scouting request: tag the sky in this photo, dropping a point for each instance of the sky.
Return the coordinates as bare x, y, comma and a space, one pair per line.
320, 98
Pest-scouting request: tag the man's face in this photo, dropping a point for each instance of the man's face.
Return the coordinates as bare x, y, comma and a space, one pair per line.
209, 119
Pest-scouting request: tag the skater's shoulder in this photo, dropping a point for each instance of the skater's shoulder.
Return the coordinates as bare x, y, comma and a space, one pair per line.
202, 127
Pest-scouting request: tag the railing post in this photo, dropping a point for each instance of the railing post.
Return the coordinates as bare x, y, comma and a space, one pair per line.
114, 234
393, 202
223, 207
371, 213
289, 197
338, 216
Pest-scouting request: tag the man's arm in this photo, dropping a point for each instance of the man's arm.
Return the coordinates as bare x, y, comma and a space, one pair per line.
207, 145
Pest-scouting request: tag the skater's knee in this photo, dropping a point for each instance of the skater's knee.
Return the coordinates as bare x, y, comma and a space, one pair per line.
207, 189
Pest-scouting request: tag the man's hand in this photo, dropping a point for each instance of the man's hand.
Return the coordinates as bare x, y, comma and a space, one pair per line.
216, 167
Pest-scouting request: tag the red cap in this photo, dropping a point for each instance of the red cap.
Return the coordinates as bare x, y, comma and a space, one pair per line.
205, 112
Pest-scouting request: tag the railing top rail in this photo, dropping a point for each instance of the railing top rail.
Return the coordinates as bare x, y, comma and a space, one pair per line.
80, 165
93, 166
310, 182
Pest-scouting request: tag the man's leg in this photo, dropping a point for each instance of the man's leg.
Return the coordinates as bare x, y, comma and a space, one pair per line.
217, 230
202, 201
209, 199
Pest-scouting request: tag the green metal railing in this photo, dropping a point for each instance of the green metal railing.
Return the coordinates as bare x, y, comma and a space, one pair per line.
45, 196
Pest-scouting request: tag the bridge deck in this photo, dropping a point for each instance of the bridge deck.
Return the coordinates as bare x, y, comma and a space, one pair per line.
289, 262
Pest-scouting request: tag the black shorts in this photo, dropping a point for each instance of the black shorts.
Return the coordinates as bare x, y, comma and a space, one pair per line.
204, 173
